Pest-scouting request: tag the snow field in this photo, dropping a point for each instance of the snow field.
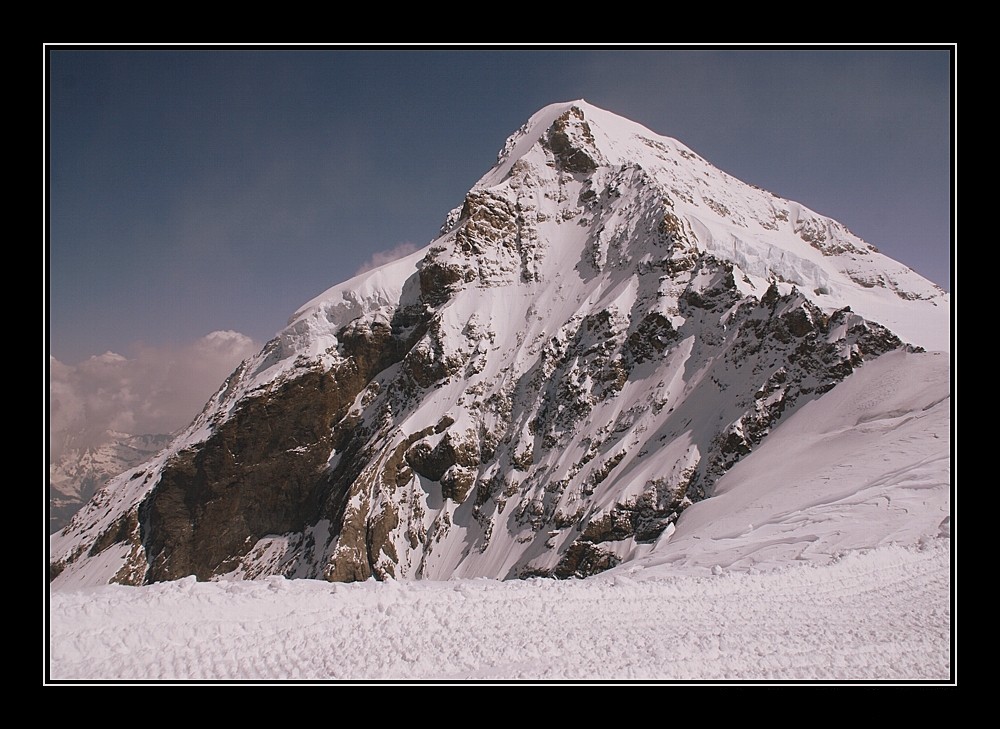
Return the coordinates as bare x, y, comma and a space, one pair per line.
883, 614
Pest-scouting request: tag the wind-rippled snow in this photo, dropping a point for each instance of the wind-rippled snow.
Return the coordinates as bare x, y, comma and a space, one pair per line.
879, 615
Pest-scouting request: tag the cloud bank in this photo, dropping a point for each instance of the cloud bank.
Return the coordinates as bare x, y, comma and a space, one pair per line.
160, 390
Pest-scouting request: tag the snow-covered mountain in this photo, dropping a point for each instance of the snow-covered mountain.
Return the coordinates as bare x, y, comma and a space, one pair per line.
77, 473
606, 325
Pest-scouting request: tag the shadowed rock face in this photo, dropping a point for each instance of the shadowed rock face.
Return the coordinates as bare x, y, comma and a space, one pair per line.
583, 559
263, 471
569, 138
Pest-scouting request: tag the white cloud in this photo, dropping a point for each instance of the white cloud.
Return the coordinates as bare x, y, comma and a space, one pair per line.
158, 391
383, 257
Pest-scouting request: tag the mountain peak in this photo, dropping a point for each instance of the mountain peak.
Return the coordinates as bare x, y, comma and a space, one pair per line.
566, 127
767, 236
606, 324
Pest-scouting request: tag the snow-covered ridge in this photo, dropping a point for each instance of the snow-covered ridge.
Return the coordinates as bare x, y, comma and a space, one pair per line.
767, 237
311, 330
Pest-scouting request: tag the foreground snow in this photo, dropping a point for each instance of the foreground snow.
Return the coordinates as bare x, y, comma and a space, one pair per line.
879, 615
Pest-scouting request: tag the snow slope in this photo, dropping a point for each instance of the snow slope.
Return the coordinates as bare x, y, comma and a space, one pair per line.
868, 464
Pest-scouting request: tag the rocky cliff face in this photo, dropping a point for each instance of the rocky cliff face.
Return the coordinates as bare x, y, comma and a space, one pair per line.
605, 326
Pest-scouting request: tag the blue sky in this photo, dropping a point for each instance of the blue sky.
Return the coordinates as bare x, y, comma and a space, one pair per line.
193, 191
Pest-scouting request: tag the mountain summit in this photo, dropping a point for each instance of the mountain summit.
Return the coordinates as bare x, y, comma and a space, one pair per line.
604, 327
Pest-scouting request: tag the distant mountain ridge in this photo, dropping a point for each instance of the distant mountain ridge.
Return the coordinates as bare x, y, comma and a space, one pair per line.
604, 327
77, 473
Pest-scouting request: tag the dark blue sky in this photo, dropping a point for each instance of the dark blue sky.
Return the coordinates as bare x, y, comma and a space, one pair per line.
199, 190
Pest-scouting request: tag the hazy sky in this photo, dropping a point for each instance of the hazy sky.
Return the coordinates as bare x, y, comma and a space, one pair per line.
194, 191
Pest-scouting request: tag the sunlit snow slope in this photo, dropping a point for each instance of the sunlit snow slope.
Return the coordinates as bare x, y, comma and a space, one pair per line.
866, 465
